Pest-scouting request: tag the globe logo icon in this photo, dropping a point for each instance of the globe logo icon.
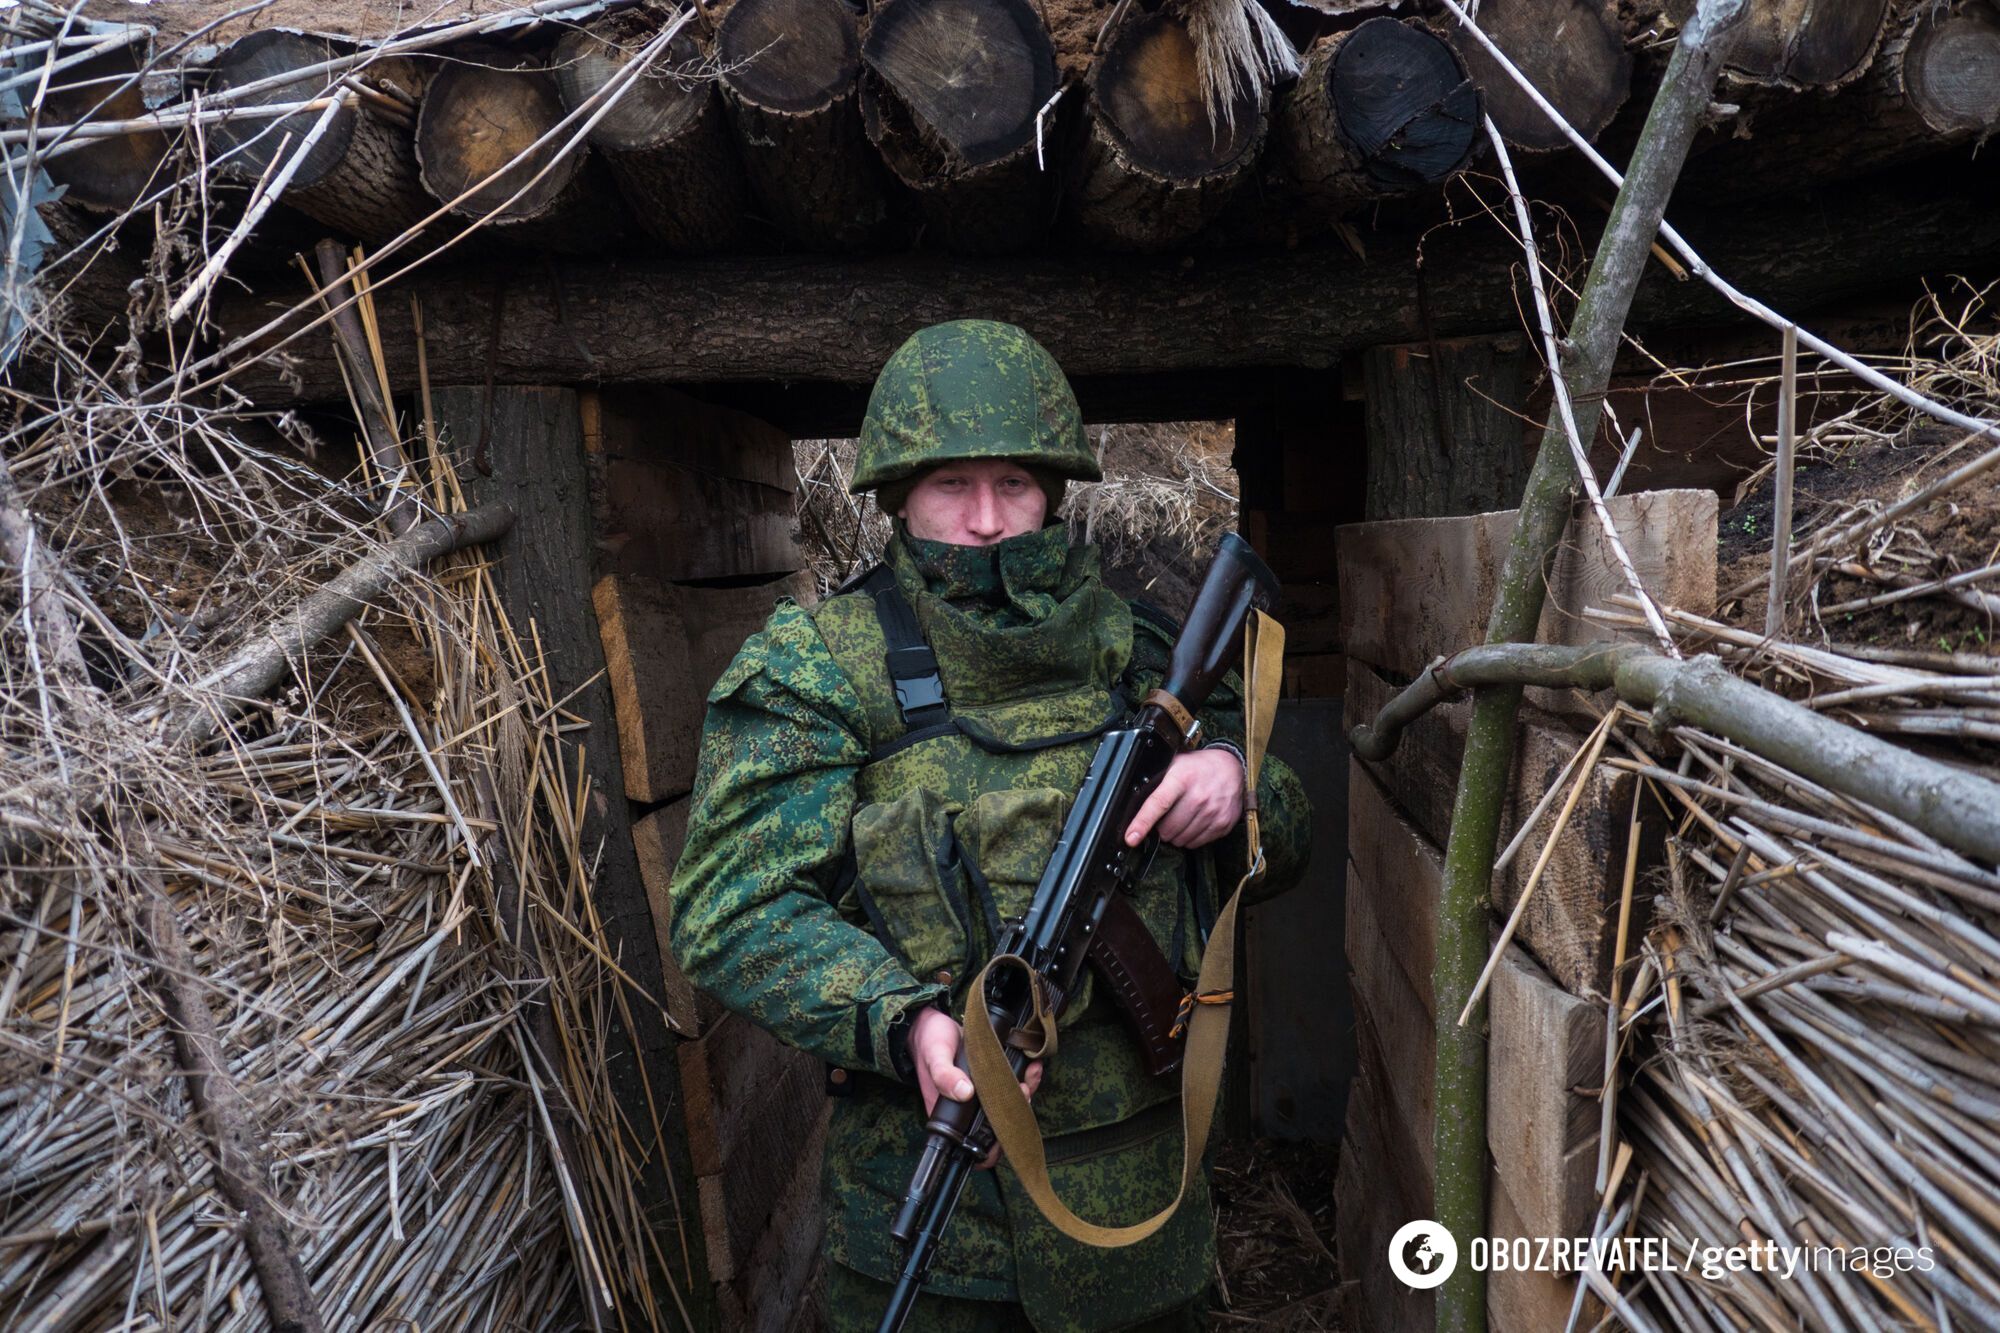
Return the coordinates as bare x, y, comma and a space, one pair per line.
1422, 1254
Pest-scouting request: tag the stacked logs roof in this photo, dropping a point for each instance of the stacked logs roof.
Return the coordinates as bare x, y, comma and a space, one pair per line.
964, 126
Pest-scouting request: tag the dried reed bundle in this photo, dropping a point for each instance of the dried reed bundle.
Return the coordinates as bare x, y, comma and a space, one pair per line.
1809, 1043
1168, 494
302, 987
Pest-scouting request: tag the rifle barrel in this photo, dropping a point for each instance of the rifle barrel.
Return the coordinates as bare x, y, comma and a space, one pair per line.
917, 1265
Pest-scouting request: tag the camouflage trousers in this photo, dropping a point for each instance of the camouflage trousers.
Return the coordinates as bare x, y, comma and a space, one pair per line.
854, 1303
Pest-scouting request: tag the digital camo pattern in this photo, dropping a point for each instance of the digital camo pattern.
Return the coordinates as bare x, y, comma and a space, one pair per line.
774, 791
972, 388
1030, 645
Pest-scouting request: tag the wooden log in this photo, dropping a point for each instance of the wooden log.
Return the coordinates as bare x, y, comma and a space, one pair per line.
1154, 169
791, 80
949, 95
667, 139
1948, 67
105, 175
750, 320
1379, 110
87, 268
1934, 85
361, 177
1445, 432
1788, 43
1571, 50
480, 119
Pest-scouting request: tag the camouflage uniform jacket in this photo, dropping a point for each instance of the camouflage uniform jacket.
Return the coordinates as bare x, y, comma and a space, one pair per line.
833, 881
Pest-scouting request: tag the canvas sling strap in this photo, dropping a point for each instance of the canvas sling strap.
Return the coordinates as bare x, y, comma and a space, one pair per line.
1007, 1109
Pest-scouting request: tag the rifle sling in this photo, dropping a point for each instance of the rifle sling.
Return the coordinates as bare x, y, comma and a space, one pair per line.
1007, 1110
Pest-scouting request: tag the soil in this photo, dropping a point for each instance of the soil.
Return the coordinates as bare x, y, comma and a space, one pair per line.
1073, 26
363, 19
1275, 1234
1956, 533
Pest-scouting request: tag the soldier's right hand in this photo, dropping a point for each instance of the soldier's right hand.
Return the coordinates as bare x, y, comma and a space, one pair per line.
935, 1038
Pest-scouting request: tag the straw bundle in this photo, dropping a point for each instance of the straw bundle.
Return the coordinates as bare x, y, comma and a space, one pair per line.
384, 1009
303, 1001
1806, 1050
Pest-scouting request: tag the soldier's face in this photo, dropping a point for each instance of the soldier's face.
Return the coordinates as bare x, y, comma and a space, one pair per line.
975, 503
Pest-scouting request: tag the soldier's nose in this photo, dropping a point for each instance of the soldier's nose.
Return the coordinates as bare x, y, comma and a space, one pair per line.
984, 520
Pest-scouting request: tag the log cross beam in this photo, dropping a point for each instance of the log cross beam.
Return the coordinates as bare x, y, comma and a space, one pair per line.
756, 319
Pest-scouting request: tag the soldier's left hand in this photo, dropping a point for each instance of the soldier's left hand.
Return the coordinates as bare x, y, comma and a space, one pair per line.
1198, 801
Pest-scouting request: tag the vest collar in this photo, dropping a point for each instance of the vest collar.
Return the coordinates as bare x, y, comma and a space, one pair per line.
1023, 618
1022, 579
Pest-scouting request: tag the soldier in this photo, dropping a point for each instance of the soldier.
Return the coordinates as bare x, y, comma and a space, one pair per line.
856, 841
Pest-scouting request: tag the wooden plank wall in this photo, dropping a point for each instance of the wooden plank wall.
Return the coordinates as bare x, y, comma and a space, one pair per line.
693, 512
1410, 591
526, 446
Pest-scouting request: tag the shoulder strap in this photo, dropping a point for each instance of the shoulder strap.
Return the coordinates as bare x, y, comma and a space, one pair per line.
913, 668
1013, 1120
1142, 609
919, 687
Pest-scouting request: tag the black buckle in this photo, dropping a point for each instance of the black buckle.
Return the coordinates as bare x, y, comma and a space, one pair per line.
914, 671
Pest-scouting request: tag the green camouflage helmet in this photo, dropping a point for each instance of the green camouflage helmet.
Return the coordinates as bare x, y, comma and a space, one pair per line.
972, 388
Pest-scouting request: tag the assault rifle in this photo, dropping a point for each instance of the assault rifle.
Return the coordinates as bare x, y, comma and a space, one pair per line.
1081, 899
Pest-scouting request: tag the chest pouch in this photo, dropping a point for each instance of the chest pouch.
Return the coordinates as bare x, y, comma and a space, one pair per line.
938, 883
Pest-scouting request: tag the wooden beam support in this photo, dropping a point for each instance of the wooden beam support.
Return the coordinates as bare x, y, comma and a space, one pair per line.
1444, 427
579, 321
1546, 1045
525, 445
